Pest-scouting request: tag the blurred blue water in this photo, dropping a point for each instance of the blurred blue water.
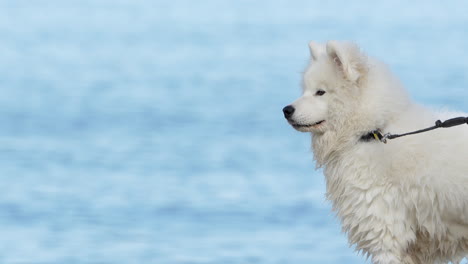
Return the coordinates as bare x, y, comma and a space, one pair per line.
137, 131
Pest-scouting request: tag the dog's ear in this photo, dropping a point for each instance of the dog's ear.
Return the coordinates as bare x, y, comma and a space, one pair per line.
348, 58
316, 49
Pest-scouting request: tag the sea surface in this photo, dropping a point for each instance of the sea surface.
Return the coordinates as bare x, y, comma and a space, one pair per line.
136, 131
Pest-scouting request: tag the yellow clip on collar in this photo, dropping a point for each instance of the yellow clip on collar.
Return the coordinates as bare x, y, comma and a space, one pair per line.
376, 136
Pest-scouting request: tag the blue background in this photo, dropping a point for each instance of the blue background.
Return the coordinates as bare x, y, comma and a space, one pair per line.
136, 131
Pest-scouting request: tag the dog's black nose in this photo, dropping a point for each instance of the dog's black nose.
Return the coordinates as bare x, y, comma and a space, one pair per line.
288, 111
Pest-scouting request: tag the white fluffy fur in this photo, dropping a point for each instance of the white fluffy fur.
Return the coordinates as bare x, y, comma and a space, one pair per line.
401, 202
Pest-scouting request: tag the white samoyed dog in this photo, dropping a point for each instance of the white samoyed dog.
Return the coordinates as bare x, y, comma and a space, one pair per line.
401, 202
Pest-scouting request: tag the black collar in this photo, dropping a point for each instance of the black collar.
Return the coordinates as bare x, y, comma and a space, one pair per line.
373, 135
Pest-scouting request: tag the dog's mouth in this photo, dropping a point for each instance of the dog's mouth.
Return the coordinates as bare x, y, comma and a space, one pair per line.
295, 125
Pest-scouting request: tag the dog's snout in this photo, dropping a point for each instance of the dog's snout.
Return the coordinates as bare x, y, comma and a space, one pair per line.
288, 111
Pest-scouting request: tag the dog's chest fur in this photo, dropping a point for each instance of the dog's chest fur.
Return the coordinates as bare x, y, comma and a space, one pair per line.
380, 211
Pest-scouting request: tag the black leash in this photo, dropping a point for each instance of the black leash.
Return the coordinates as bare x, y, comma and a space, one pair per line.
376, 134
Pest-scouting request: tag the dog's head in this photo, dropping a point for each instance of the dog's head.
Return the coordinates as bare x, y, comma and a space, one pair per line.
334, 74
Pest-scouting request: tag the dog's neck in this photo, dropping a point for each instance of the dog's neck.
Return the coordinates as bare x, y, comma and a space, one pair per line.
328, 146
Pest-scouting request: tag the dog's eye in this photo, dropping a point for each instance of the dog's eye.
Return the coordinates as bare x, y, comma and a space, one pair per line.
320, 92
